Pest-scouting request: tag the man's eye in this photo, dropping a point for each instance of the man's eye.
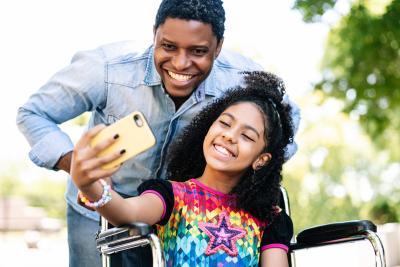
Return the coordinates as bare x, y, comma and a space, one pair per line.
199, 52
168, 46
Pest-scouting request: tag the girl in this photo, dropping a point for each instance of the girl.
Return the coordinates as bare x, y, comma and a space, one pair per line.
219, 204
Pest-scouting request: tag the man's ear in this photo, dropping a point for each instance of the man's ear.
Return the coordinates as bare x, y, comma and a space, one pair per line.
219, 47
261, 160
154, 33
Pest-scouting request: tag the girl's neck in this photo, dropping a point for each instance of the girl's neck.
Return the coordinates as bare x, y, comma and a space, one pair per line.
218, 181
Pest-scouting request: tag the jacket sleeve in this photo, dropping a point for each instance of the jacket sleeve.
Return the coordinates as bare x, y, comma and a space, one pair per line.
78, 88
291, 149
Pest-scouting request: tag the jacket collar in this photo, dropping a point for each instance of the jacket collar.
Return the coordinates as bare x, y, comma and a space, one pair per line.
152, 77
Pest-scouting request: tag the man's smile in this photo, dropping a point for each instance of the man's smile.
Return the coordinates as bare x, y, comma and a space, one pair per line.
180, 77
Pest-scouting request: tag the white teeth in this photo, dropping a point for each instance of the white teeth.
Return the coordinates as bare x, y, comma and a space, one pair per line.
223, 150
180, 77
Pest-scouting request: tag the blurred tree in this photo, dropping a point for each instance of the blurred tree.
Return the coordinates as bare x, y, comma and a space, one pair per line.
312, 10
36, 187
344, 175
9, 185
9, 182
361, 65
47, 193
338, 171
81, 120
382, 211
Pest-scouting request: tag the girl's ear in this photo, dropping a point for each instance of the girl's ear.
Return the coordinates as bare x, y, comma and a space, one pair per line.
261, 160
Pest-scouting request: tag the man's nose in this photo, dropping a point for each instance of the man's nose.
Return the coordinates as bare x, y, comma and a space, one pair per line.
181, 61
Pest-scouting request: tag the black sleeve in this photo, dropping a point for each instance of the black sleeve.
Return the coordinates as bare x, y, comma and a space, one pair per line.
280, 231
164, 188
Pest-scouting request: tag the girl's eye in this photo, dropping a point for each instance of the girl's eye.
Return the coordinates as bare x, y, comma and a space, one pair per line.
224, 123
248, 138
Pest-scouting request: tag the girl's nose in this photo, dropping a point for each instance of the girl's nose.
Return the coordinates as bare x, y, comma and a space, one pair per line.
229, 136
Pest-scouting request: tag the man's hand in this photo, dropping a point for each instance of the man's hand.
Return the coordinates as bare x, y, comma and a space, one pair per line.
64, 163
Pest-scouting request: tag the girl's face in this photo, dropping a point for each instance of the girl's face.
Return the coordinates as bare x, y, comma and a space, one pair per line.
236, 139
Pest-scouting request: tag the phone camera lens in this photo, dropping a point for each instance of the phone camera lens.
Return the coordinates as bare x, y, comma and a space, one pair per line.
138, 120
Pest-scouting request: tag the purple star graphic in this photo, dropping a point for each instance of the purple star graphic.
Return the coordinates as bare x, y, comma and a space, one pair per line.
222, 236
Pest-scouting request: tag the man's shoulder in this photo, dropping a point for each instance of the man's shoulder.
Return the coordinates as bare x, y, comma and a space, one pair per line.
123, 51
229, 59
126, 62
228, 71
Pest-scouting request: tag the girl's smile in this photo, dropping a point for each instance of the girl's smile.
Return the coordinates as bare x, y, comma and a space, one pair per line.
224, 151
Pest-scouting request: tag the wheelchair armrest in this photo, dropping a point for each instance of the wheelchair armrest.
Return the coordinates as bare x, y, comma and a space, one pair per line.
334, 231
129, 231
341, 232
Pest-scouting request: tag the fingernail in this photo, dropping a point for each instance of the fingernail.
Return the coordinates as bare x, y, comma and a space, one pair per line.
116, 136
122, 151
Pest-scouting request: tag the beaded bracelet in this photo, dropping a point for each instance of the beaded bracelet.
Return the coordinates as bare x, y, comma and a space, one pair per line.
105, 197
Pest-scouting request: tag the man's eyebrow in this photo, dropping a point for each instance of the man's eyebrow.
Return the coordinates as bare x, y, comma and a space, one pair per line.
245, 126
166, 40
204, 45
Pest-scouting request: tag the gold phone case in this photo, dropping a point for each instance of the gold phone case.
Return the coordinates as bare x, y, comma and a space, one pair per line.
135, 136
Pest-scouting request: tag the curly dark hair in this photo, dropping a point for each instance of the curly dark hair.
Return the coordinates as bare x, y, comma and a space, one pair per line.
258, 190
206, 11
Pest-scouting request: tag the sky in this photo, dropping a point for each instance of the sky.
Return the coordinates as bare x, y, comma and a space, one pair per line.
40, 37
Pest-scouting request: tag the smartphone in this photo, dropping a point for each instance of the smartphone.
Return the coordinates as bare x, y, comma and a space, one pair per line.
135, 136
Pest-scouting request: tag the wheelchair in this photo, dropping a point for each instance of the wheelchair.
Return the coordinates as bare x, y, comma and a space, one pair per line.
112, 241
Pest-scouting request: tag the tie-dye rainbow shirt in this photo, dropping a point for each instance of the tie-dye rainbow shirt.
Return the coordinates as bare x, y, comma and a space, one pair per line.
204, 229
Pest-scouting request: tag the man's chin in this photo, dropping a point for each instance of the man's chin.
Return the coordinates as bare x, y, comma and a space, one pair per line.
179, 92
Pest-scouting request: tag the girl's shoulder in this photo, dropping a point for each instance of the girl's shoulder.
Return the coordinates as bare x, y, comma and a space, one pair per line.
155, 184
167, 186
181, 188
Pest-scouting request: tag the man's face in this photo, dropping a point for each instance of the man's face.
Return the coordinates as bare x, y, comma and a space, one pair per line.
184, 52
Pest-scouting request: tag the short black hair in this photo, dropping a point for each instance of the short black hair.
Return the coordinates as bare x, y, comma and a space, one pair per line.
258, 191
206, 11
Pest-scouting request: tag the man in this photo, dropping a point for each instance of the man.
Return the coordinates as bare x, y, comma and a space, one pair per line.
169, 83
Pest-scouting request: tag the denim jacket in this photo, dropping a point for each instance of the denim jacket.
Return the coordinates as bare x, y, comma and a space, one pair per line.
111, 82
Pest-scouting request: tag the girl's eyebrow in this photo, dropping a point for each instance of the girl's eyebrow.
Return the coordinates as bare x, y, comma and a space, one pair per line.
251, 128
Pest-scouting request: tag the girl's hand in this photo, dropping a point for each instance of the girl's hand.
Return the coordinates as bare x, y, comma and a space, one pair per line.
86, 166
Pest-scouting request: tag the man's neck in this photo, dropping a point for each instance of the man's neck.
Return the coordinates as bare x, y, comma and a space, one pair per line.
178, 101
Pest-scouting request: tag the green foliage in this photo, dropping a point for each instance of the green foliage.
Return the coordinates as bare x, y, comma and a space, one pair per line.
383, 211
48, 194
312, 10
362, 67
81, 120
9, 183
38, 190
338, 172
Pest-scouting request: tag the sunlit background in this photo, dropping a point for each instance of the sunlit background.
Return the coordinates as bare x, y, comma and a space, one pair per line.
342, 67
